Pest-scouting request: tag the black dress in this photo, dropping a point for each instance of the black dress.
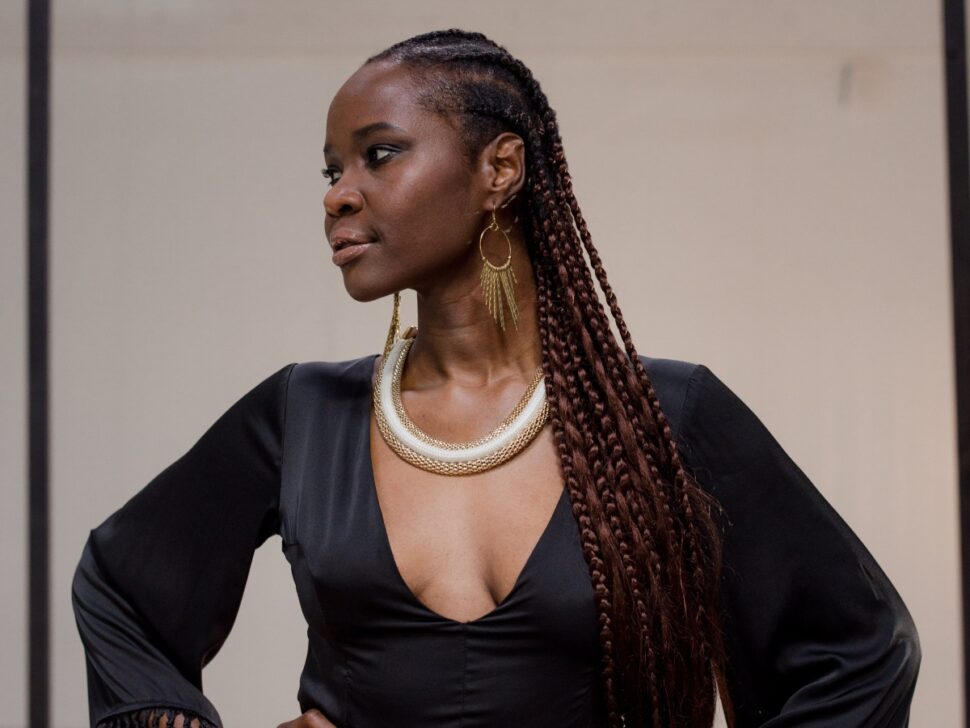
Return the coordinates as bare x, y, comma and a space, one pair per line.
816, 633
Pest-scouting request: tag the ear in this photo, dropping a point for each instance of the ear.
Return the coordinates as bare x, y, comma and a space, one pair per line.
502, 164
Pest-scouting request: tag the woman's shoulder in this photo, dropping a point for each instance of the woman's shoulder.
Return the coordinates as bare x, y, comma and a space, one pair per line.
669, 373
348, 379
334, 367
703, 411
332, 379
672, 380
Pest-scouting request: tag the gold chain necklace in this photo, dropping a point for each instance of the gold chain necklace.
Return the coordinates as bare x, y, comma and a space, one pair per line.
509, 438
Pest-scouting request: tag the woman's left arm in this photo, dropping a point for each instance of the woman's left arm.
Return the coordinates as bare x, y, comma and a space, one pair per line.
815, 633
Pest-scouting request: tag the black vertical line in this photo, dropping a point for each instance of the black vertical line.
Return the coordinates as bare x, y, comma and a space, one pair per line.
955, 59
38, 612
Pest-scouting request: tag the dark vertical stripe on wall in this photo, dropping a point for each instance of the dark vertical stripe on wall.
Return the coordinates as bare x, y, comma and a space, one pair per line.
955, 58
38, 612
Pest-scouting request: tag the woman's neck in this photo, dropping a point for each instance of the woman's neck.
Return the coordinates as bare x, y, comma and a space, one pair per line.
458, 340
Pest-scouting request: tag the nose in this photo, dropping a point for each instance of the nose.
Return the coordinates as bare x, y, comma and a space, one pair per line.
342, 199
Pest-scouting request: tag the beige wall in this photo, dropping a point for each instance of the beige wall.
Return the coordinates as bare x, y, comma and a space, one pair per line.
766, 182
13, 371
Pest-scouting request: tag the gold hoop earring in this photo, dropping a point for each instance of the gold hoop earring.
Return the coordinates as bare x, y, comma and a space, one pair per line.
498, 282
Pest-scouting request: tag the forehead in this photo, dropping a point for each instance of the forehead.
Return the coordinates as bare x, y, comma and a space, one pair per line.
376, 92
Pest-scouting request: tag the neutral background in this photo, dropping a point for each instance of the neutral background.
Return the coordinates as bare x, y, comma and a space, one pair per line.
766, 182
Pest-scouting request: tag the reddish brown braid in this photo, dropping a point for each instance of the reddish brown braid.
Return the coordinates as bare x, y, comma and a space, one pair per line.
648, 531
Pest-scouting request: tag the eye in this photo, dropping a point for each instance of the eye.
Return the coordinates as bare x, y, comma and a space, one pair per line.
378, 154
332, 175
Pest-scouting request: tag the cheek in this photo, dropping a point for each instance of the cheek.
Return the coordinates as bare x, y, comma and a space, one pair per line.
431, 207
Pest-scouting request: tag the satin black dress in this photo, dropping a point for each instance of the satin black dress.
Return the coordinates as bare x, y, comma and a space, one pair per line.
816, 634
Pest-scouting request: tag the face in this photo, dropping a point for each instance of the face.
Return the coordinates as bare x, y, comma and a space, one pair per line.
404, 204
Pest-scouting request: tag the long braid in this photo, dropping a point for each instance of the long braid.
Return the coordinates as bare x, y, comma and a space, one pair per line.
702, 613
552, 364
648, 531
568, 424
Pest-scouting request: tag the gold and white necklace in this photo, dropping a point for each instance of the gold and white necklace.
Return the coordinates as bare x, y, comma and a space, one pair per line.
509, 438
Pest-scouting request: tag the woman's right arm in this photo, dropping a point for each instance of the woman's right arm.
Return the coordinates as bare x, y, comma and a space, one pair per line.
159, 582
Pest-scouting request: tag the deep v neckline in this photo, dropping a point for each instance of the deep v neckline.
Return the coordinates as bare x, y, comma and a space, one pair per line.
366, 409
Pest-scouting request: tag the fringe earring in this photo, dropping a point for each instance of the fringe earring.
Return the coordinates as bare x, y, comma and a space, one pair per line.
395, 327
498, 282
394, 330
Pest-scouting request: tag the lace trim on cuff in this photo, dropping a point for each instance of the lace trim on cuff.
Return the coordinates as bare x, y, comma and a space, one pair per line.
152, 718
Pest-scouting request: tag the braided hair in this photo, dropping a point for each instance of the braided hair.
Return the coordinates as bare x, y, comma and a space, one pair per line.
648, 530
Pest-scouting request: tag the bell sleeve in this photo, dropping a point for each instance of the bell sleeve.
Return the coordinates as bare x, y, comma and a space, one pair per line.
159, 582
815, 633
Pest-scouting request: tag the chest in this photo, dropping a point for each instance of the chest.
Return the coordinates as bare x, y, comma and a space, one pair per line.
379, 549
508, 641
460, 544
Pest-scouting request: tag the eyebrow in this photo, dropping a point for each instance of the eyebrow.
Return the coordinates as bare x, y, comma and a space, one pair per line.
364, 131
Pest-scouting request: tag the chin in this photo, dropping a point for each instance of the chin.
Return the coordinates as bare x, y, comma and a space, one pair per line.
364, 290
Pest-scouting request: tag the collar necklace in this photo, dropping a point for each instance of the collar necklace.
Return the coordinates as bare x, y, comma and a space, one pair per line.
509, 438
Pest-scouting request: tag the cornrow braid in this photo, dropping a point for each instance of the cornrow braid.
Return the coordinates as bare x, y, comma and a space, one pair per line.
648, 531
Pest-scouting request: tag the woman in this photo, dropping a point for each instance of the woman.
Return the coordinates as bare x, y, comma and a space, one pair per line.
509, 518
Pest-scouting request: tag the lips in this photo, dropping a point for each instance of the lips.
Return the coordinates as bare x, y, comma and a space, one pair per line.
349, 245
344, 238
